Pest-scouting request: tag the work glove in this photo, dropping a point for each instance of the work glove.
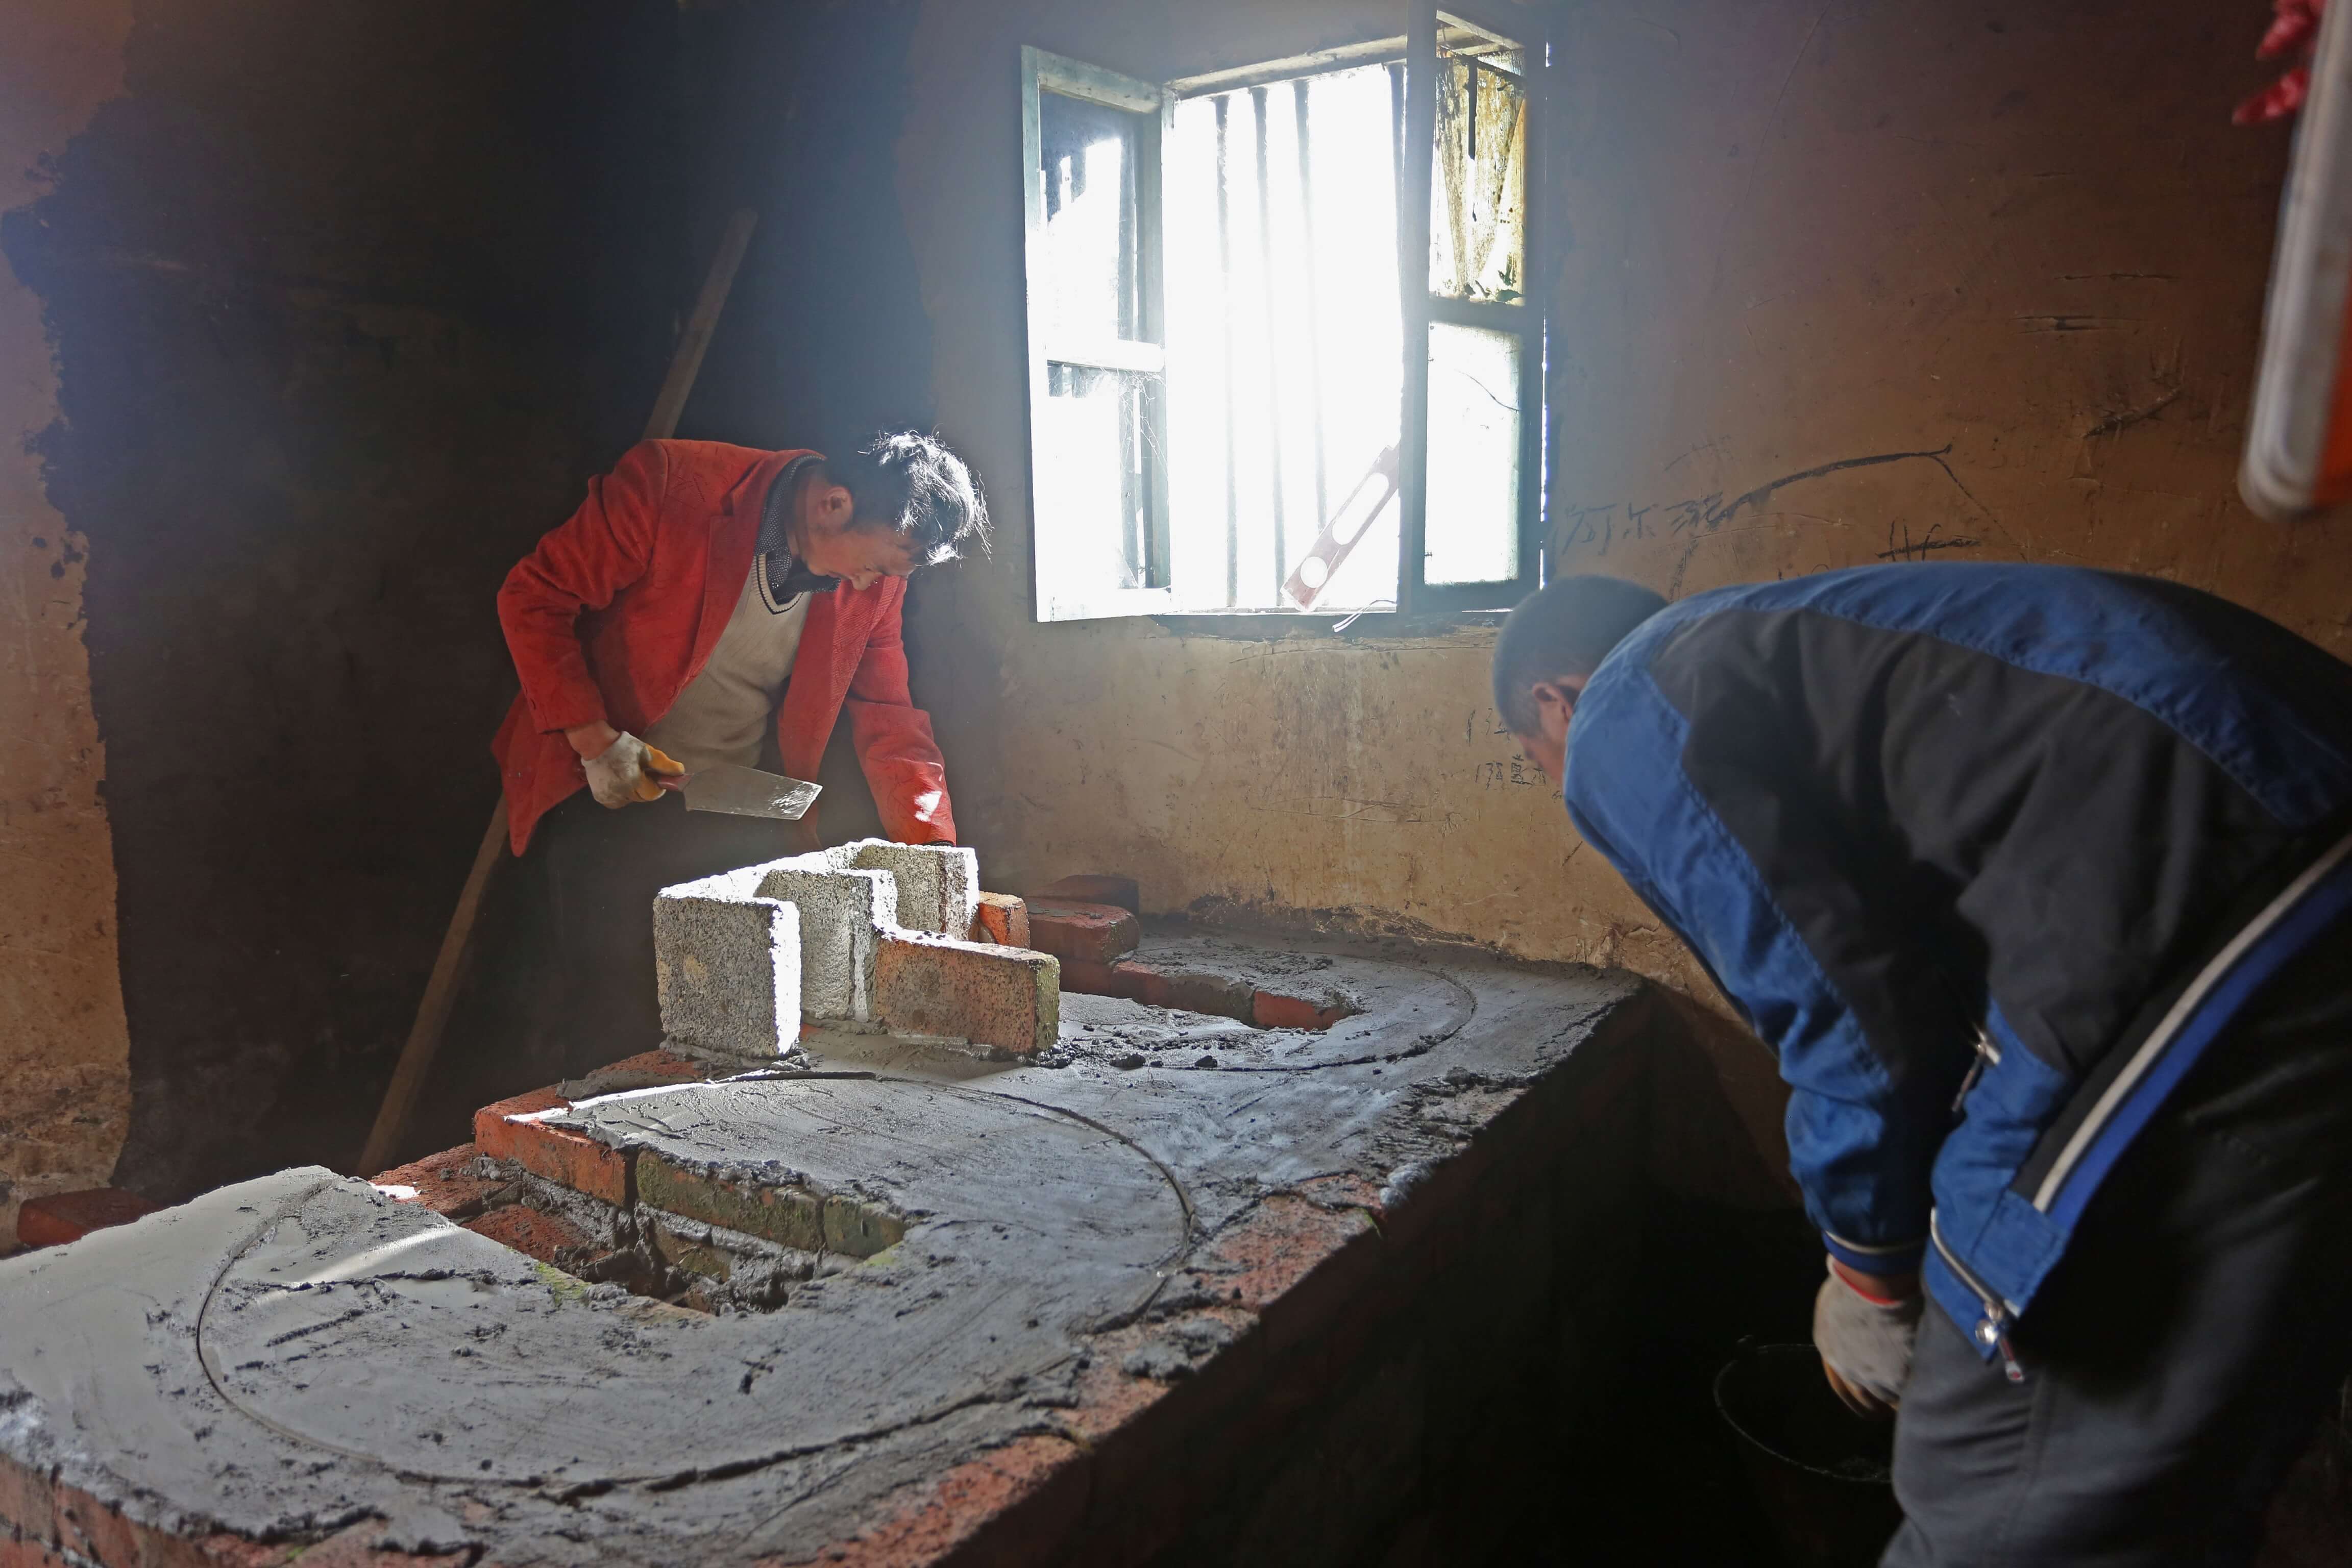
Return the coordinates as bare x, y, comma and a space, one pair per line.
625, 773
1865, 1342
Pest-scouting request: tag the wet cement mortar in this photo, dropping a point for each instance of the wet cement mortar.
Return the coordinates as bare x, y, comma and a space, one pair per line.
290, 1355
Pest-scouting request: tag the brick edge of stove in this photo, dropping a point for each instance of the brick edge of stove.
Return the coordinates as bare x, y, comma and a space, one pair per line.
1352, 1319
53, 1525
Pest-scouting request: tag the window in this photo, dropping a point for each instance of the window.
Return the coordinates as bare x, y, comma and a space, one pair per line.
1098, 364
1276, 362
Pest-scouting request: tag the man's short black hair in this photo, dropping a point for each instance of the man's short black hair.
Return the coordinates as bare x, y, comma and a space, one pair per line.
1566, 629
912, 484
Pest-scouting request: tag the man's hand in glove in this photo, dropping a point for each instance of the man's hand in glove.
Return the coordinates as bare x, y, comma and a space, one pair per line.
1864, 1325
625, 771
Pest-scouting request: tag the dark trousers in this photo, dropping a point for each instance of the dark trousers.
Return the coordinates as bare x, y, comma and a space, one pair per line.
2177, 1359
600, 871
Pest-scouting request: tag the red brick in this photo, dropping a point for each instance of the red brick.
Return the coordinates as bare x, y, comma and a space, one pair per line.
1002, 918
1194, 993
660, 1064
1293, 1262
1095, 933
1006, 997
26, 1504
97, 1533
356, 1548
61, 1218
1095, 889
1269, 1011
1163, 1452
528, 1231
1012, 1505
511, 1130
444, 1183
1201, 993
1128, 980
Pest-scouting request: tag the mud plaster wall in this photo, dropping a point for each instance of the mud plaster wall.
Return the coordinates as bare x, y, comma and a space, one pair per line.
64, 1080
348, 299
1924, 279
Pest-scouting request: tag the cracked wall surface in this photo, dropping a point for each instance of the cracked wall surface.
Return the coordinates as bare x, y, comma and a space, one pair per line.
65, 1084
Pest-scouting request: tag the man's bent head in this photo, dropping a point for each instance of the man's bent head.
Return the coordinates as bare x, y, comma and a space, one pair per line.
1550, 646
900, 501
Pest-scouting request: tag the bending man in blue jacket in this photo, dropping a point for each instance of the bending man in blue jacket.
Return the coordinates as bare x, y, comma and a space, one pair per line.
2035, 879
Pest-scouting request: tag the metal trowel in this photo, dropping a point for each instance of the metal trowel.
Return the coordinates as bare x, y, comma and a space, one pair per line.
743, 792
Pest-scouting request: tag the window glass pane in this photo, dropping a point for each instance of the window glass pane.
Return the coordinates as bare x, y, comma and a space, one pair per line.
1283, 340
1473, 530
1092, 287
1477, 192
1093, 499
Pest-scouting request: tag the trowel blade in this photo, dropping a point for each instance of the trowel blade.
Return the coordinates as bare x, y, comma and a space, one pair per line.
747, 792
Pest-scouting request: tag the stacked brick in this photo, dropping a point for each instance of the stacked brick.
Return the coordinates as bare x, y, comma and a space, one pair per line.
870, 932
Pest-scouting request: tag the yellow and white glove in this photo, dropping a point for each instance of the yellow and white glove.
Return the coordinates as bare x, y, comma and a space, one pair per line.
625, 773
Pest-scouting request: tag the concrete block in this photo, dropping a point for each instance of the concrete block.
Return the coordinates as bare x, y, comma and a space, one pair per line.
721, 945
727, 966
1008, 998
1095, 889
939, 884
844, 912
1002, 918
1090, 934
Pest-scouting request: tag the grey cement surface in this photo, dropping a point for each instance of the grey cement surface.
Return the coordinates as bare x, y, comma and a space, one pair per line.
294, 1353
1402, 1010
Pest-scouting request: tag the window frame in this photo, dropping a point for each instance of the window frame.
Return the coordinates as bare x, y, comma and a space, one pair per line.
1527, 319
1042, 71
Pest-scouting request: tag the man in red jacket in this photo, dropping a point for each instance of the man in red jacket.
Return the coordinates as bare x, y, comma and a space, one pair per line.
711, 603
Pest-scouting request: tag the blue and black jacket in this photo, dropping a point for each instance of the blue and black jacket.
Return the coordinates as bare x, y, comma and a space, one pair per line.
1989, 855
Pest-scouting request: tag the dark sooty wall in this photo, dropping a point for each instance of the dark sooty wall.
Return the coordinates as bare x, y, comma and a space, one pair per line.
348, 300
795, 108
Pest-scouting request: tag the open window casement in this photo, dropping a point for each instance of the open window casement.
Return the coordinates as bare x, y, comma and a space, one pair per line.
1280, 361
1097, 358
1472, 479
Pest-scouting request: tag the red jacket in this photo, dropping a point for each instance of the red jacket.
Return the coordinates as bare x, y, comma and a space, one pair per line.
616, 610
